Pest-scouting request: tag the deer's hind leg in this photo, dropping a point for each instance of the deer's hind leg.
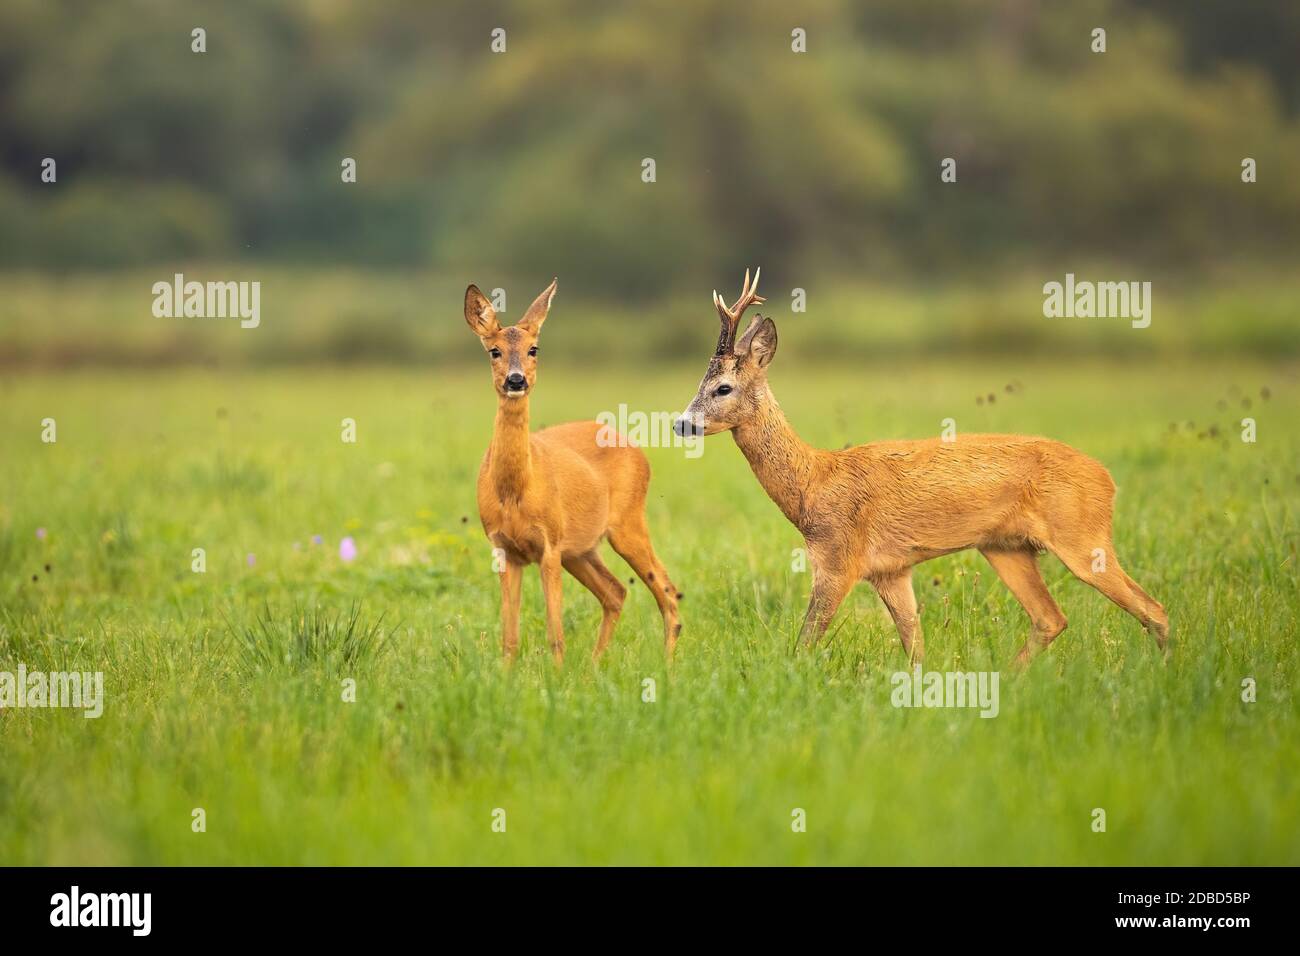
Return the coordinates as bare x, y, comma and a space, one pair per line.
631, 539
1095, 563
609, 591
1018, 569
1156, 611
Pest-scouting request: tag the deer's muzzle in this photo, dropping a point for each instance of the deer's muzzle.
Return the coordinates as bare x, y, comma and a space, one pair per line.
686, 427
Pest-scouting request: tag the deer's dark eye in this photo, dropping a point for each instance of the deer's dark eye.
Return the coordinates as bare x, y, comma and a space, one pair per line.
723, 390
495, 353
533, 351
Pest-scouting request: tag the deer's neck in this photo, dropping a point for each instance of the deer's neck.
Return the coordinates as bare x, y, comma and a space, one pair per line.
783, 463
511, 463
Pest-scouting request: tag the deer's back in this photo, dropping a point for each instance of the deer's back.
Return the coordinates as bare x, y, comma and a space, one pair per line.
586, 448
579, 488
936, 496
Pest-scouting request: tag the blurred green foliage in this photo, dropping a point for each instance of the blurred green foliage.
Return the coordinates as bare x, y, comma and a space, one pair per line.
529, 162
313, 315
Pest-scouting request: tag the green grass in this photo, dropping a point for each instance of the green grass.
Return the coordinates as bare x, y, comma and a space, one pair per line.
224, 689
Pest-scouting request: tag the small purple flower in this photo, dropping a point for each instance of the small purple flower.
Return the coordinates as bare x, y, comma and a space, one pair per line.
348, 549
316, 539
40, 534
252, 559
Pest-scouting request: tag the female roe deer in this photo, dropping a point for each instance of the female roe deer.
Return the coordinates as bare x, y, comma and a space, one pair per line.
549, 498
876, 510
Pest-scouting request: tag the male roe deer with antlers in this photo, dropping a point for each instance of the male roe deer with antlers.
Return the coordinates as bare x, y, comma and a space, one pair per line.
873, 511
549, 498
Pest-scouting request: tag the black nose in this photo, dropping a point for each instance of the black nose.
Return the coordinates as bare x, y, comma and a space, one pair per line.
686, 428
515, 382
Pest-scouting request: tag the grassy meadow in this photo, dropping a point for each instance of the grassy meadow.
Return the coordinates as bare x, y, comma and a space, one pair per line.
299, 635
224, 688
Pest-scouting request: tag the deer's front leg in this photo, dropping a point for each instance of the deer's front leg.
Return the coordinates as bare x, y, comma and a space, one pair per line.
831, 583
512, 576
551, 584
900, 598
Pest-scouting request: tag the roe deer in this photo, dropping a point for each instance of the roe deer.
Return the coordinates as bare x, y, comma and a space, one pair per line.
549, 498
873, 511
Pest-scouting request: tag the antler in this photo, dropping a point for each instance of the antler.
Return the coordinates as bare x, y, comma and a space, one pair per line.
731, 316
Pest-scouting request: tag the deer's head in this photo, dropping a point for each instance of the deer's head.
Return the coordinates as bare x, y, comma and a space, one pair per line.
734, 387
512, 351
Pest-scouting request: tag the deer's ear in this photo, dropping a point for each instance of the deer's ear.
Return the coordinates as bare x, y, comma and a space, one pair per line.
480, 315
759, 341
538, 311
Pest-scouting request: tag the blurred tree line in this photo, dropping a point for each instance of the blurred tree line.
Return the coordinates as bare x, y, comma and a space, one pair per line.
531, 160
